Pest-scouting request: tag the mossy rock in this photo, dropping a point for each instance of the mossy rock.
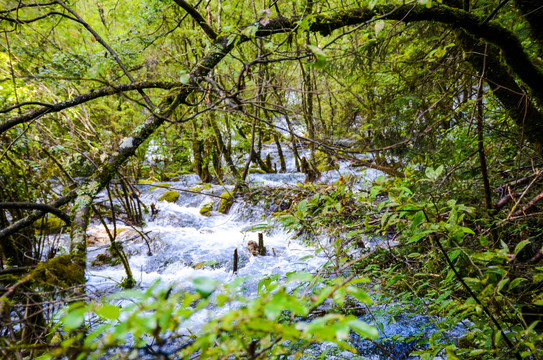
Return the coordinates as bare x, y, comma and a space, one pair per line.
205, 210
159, 186
167, 176
227, 199
256, 171
169, 196
48, 225
145, 181
199, 189
60, 271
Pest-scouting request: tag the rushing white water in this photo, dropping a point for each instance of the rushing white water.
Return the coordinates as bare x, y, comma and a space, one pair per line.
183, 244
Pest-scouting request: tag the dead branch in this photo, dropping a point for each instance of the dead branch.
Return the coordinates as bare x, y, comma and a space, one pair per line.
529, 204
35, 206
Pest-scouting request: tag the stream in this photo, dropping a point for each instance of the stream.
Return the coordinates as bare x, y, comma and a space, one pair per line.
183, 245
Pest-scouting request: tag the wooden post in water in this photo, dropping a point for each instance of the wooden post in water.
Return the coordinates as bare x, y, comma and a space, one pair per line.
235, 265
261, 249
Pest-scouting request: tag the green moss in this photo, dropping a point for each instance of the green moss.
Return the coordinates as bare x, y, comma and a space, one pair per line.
60, 271
48, 225
169, 196
105, 259
205, 210
256, 171
200, 188
184, 172
325, 162
145, 182
159, 186
227, 200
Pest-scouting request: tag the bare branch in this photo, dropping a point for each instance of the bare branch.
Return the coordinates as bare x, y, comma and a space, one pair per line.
30, 219
529, 205
198, 18
22, 6
35, 206
94, 94
28, 21
17, 106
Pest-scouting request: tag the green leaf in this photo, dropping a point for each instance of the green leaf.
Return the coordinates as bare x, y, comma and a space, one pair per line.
108, 311
418, 236
516, 282
320, 56
521, 246
184, 78
359, 295
502, 283
417, 219
258, 227
204, 286
74, 319
302, 206
363, 329
379, 26
467, 230
251, 30
300, 276
537, 278
339, 296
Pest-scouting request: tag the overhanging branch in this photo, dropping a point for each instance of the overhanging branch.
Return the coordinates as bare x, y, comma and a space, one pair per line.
35, 206
94, 94
198, 18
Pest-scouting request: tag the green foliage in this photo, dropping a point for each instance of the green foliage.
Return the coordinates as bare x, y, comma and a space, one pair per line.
157, 313
159, 186
406, 89
427, 234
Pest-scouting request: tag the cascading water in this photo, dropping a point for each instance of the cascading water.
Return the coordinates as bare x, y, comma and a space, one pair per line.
185, 244
182, 244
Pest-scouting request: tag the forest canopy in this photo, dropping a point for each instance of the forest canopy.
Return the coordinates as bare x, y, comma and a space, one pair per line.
445, 97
